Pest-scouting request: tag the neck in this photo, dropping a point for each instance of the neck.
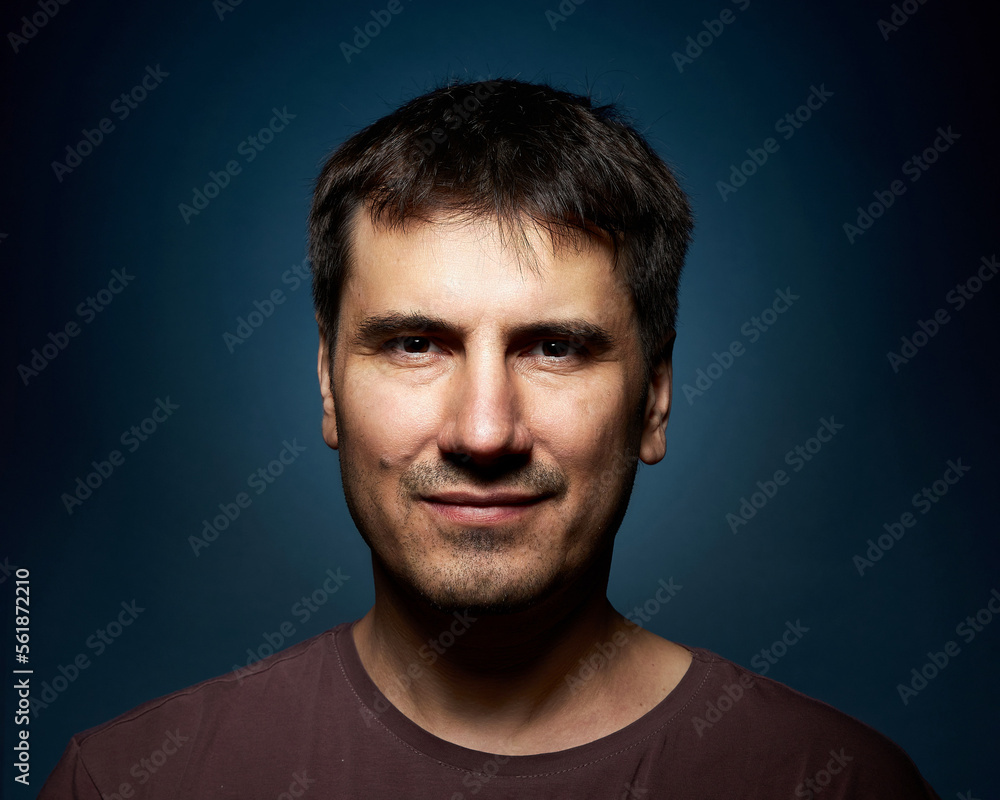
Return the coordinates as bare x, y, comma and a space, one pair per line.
495, 681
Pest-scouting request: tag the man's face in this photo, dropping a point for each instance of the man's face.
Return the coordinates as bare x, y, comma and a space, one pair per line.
489, 408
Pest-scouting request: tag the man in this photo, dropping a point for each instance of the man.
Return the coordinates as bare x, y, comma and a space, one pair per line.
495, 276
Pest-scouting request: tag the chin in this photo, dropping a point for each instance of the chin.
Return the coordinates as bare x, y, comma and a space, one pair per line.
485, 583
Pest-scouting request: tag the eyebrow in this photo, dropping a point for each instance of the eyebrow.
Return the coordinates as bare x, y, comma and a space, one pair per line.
377, 328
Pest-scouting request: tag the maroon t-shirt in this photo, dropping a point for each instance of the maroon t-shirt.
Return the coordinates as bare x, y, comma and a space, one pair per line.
308, 722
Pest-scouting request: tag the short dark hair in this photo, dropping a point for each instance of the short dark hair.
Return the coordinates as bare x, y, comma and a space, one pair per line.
515, 152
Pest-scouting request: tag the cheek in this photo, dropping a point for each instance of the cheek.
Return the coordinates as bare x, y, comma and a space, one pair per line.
381, 424
585, 433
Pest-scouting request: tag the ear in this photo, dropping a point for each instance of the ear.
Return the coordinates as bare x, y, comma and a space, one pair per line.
653, 445
326, 390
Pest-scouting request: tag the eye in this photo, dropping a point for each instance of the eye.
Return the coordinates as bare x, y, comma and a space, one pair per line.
555, 348
412, 344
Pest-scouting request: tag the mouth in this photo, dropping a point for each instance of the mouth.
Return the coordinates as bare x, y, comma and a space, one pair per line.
472, 508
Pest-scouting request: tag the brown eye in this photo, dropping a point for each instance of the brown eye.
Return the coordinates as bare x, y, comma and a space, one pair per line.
555, 348
416, 344
411, 344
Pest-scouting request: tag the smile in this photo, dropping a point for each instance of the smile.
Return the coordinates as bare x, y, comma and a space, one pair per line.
482, 509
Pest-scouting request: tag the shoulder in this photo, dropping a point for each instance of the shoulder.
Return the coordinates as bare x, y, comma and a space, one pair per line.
231, 693
793, 743
210, 717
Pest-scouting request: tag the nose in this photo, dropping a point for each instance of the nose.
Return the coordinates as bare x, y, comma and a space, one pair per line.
484, 418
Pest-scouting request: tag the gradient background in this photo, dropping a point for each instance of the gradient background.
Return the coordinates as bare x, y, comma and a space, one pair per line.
162, 337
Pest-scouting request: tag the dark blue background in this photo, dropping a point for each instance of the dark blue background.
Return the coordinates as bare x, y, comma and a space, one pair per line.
163, 337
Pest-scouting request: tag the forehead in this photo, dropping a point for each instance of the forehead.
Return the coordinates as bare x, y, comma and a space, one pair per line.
472, 271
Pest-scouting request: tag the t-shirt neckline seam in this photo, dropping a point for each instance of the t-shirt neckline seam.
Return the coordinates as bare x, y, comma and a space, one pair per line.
698, 657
